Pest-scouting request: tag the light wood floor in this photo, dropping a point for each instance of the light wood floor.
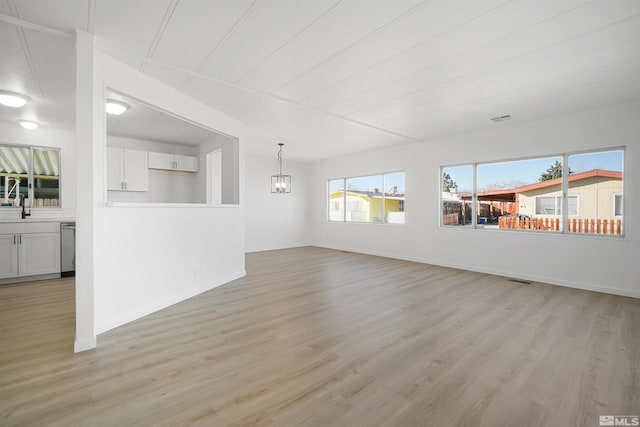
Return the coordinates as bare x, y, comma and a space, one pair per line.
314, 337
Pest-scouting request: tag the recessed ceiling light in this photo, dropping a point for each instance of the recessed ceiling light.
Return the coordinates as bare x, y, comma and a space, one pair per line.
116, 107
13, 99
501, 118
28, 124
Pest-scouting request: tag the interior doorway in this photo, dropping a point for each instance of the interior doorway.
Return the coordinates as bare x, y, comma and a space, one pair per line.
214, 177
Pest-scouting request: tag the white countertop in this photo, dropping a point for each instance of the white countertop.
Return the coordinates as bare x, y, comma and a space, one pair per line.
29, 219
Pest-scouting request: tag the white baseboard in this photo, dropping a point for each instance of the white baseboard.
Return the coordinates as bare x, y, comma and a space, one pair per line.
496, 272
292, 246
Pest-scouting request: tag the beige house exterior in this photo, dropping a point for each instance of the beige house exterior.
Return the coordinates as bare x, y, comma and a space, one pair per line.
596, 194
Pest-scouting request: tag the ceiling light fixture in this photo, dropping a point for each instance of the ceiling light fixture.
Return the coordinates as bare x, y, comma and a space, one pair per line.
280, 183
116, 107
13, 99
28, 124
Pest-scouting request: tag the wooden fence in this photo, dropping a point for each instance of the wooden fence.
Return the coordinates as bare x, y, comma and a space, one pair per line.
590, 226
450, 219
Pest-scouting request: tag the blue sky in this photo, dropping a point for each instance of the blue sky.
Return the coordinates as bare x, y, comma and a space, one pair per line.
396, 179
528, 171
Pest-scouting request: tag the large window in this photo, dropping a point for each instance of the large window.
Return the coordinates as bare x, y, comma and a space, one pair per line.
568, 193
457, 189
373, 199
32, 173
596, 178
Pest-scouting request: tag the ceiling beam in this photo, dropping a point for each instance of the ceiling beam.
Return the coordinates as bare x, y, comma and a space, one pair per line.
36, 27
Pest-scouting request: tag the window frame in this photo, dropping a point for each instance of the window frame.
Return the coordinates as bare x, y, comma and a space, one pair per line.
31, 175
344, 199
564, 189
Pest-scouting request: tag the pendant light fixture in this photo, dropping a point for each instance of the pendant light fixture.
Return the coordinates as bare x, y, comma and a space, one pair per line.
280, 183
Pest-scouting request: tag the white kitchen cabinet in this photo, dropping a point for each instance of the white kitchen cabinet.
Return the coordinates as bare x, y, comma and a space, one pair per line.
38, 253
8, 256
173, 162
29, 249
127, 170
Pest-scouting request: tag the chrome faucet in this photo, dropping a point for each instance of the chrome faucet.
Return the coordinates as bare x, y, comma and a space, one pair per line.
24, 211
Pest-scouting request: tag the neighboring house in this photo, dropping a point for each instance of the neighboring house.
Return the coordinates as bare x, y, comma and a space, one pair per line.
366, 206
595, 194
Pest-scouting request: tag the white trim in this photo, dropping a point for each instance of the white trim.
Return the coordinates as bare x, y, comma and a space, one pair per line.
110, 204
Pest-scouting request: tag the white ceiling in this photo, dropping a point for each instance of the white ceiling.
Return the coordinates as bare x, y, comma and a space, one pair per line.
329, 77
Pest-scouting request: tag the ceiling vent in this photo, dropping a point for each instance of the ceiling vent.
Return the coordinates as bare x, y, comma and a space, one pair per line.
500, 118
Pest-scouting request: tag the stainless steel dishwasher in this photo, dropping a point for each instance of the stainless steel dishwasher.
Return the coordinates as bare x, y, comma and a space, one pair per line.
68, 249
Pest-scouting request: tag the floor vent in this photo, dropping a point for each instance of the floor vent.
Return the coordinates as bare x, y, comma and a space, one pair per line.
524, 282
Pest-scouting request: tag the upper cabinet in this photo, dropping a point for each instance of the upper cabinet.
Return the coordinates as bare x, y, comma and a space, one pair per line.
173, 162
127, 170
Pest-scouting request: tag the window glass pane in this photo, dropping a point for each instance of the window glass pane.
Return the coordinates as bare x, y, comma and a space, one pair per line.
618, 205
457, 191
336, 200
14, 175
46, 177
545, 205
394, 198
595, 179
521, 195
364, 199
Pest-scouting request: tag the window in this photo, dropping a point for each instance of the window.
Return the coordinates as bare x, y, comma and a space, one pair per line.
370, 199
597, 178
617, 205
513, 194
29, 172
532, 194
457, 190
552, 205
336, 200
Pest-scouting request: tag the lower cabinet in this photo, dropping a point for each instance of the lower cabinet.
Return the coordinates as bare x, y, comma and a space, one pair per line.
39, 253
8, 256
29, 254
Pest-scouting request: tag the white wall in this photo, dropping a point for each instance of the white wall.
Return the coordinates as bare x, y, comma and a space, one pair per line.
164, 186
276, 221
604, 264
147, 257
13, 133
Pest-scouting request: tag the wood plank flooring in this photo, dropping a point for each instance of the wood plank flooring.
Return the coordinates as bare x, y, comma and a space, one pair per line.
315, 337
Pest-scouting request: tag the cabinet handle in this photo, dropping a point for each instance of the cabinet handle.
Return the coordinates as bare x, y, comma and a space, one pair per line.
122, 185
126, 185
14, 239
21, 239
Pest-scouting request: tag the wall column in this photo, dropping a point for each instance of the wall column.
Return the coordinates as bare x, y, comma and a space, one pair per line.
85, 211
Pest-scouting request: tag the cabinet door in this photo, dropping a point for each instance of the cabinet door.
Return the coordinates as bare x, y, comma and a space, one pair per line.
186, 163
136, 170
114, 168
8, 256
39, 253
161, 161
